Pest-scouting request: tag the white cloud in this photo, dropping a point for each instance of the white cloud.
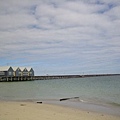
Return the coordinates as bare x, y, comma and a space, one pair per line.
8, 22
84, 33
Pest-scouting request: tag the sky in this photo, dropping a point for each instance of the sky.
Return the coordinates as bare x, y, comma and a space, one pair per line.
57, 37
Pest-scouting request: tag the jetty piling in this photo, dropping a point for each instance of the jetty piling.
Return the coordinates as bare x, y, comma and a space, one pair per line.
32, 78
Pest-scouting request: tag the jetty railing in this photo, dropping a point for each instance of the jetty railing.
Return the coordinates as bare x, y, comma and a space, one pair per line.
12, 79
32, 78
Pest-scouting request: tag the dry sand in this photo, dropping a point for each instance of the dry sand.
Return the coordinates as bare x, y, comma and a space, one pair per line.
35, 111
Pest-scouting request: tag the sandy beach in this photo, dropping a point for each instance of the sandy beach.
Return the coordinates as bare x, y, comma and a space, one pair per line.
35, 111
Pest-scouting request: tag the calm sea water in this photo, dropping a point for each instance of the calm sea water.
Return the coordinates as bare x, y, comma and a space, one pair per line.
102, 90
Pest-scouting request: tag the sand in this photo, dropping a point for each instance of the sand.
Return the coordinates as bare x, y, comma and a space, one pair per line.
35, 111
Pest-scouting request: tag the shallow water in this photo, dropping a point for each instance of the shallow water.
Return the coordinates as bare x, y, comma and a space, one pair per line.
94, 90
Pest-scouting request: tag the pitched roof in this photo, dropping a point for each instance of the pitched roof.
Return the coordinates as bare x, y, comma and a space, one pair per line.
14, 68
28, 68
4, 68
22, 68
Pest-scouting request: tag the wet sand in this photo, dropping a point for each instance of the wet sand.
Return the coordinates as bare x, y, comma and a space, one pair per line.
37, 111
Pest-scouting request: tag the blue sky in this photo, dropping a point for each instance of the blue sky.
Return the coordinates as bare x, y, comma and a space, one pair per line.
61, 36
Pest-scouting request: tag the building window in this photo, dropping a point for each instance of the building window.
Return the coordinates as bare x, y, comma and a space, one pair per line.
10, 73
2, 73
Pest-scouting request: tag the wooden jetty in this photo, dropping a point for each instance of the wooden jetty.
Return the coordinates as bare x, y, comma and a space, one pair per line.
32, 78
15, 78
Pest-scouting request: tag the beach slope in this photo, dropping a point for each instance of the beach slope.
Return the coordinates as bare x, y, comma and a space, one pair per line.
35, 111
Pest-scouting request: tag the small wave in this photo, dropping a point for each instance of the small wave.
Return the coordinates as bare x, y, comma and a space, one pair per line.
82, 100
115, 104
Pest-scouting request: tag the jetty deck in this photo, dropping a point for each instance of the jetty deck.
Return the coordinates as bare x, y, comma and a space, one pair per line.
12, 79
32, 78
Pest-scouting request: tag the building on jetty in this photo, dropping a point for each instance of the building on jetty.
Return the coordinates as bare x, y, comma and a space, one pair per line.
11, 74
8, 73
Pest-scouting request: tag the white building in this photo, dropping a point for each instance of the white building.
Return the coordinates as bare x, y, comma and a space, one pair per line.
16, 71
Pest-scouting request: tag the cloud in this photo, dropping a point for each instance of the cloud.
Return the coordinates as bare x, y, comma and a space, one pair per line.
67, 36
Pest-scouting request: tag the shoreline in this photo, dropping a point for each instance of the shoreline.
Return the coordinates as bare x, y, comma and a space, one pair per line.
86, 95
27, 110
74, 103
86, 106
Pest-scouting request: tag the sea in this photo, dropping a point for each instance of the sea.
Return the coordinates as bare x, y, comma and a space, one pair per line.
92, 93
